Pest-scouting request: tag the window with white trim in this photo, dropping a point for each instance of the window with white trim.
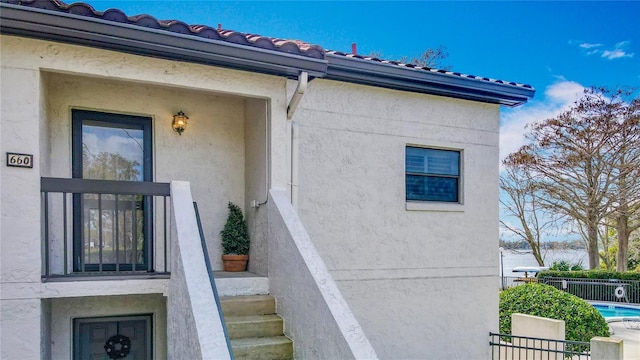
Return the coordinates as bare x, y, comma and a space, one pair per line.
432, 175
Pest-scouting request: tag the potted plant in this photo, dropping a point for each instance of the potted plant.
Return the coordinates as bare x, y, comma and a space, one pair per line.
235, 241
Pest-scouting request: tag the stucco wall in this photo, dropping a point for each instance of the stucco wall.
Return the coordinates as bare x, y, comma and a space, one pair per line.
256, 182
207, 154
317, 316
419, 277
42, 80
195, 329
20, 319
64, 311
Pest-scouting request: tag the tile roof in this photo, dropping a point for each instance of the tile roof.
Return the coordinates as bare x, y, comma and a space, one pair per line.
424, 68
284, 45
295, 47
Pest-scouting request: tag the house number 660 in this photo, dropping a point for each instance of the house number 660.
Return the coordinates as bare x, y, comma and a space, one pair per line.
20, 160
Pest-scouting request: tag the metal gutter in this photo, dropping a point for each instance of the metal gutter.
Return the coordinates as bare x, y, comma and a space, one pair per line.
83, 30
390, 76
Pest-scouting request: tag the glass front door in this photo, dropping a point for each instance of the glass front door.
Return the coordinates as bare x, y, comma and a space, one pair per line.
111, 231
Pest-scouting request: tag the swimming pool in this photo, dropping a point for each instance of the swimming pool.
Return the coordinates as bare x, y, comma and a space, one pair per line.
617, 310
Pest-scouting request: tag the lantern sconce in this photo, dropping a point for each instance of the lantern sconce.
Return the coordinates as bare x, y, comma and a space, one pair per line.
179, 123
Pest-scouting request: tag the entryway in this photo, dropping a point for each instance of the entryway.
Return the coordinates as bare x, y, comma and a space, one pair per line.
113, 338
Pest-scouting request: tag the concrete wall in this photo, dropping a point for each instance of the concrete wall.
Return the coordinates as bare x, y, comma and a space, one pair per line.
257, 152
207, 154
317, 316
408, 271
535, 326
20, 215
41, 81
195, 328
414, 274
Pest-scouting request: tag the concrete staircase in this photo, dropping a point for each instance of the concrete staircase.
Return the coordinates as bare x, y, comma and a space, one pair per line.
255, 330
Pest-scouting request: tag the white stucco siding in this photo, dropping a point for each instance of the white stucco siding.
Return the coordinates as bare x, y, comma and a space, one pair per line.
20, 192
209, 154
20, 318
256, 167
37, 55
391, 262
41, 82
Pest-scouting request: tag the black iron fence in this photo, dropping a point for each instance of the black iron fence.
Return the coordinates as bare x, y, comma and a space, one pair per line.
609, 290
511, 281
104, 227
511, 347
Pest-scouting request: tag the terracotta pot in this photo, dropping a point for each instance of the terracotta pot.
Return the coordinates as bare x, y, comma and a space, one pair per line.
235, 263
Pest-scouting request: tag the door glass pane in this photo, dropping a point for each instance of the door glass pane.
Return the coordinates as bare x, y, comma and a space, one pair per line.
112, 153
113, 225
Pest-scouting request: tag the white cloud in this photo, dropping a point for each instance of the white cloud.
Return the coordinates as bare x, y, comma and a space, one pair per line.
615, 54
589, 46
557, 98
618, 51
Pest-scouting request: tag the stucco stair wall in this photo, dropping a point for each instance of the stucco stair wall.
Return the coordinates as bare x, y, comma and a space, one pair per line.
254, 328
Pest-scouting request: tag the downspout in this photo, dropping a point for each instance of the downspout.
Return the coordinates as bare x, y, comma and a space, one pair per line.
303, 80
294, 165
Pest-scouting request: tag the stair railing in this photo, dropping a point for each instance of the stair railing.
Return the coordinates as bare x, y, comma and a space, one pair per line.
212, 280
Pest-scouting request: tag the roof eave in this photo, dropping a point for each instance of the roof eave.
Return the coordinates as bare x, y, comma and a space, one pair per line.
390, 76
81, 30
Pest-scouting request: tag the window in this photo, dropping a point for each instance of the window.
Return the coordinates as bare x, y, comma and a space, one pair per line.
432, 175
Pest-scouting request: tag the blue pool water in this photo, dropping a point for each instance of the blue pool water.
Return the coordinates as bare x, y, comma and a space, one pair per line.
608, 311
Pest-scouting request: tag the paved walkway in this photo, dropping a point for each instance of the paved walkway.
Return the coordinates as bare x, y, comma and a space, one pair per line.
631, 338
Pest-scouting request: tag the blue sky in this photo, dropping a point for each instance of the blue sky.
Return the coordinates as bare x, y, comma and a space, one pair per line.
557, 47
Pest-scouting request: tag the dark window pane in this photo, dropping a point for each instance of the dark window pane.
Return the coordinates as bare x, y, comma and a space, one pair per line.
432, 188
432, 161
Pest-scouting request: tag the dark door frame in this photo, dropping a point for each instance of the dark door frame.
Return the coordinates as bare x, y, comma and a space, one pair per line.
80, 117
148, 318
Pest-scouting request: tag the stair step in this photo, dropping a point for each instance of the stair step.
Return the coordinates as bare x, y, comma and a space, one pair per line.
256, 348
248, 305
253, 326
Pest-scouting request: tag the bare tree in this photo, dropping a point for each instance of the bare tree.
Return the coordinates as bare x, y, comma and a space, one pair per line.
608, 240
573, 159
521, 201
433, 58
627, 192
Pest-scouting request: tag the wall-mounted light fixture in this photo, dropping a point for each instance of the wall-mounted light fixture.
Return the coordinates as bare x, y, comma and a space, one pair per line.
179, 123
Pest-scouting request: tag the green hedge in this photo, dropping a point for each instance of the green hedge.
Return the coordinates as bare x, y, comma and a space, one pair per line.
582, 321
592, 274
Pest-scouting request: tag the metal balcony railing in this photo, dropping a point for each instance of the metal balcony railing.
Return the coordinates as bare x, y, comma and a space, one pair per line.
104, 228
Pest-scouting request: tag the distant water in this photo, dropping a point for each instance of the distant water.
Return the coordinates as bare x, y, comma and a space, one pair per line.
513, 258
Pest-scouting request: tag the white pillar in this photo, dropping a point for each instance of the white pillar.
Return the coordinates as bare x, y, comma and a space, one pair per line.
605, 348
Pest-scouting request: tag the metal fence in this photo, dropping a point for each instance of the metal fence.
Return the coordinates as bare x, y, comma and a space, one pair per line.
103, 227
609, 290
511, 347
511, 281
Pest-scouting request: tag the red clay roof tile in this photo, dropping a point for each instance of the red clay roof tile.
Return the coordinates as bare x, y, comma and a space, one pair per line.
297, 47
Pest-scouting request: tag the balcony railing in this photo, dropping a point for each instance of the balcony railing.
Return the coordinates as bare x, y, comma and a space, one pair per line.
104, 227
